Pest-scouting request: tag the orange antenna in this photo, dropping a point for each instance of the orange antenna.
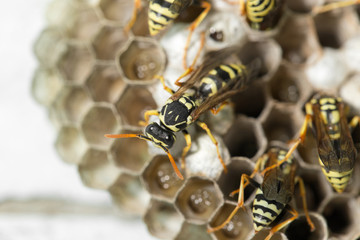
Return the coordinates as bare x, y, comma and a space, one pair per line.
172, 161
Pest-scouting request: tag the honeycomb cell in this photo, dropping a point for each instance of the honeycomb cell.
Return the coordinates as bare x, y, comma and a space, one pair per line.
160, 179
72, 104
130, 153
281, 123
245, 138
298, 39
46, 85
108, 42
83, 25
133, 103
252, 101
305, 6
71, 145
341, 215
162, 220
198, 199
129, 195
96, 171
239, 228
221, 122
142, 60
76, 62
99, 120
289, 85
264, 233
49, 46
111, 10
141, 27
350, 92
193, 232
336, 27
299, 228
105, 83
228, 182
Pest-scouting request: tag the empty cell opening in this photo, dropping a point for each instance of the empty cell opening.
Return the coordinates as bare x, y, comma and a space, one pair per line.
76, 63
198, 200
228, 182
162, 220
108, 41
84, 25
160, 178
142, 60
134, 102
112, 8
98, 121
299, 229
105, 83
250, 102
193, 231
241, 139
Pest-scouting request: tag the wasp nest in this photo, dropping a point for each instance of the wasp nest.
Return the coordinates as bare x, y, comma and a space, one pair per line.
94, 78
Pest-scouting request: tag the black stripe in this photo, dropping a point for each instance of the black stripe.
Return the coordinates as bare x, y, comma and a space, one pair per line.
162, 3
266, 210
156, 23
158, 14
262, 217
223, 75
260, 224
278, 205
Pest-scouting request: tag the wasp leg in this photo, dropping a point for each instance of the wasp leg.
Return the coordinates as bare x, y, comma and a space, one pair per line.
137, 8
193, 26
162, 80
283, 224
242, 7
239, 205
187, 148
334, 5
303, 196
301, 139
205, 127
222, 105
354, 122
147, 115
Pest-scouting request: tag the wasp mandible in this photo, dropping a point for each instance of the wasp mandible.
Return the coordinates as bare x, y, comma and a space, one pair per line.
210, 85
275, 192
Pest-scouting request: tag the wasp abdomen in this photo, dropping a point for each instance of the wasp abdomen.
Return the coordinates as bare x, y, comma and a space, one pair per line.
219, 77
160, 15
258, 9
265, 211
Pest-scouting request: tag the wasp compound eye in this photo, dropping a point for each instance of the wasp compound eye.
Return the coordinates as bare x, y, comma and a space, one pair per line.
160, 135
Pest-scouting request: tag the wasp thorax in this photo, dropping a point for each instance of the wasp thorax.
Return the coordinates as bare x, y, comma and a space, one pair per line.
160, 135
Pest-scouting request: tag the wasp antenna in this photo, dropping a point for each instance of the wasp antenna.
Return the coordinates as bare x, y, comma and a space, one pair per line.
122, 135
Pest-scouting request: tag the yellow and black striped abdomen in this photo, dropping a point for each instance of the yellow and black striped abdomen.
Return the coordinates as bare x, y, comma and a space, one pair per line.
338, 180
331, 116
265, 211
219, 77
257, 9
160, 15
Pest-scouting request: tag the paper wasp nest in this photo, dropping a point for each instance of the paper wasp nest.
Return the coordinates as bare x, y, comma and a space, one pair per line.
95, 79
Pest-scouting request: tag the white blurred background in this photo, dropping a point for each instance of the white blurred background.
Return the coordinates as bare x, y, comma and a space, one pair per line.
33, 179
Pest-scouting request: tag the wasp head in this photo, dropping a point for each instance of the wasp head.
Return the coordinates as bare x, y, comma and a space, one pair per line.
159, 135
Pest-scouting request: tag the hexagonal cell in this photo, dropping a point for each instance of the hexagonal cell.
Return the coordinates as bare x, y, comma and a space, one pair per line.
59, 11
46, 85
142, 60
133, 103
289, 85
108, 41
264, 233
252, 101
162, 220
112, 8
83, 25
129, 195
71, 145
72, 104
49, 46
98, 121
198, 200
350, 92
141, 27
245, 138
96, 171
160, 179
230, 181
298, 39
299, 228
240, 227
130, 153
76, 62
341, 215
337, 26
105, 83
304, 6
282, 123
193, 232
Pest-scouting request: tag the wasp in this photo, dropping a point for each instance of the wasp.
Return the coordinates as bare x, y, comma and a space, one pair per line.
210, 85
274, 193
163, 12
326, 116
